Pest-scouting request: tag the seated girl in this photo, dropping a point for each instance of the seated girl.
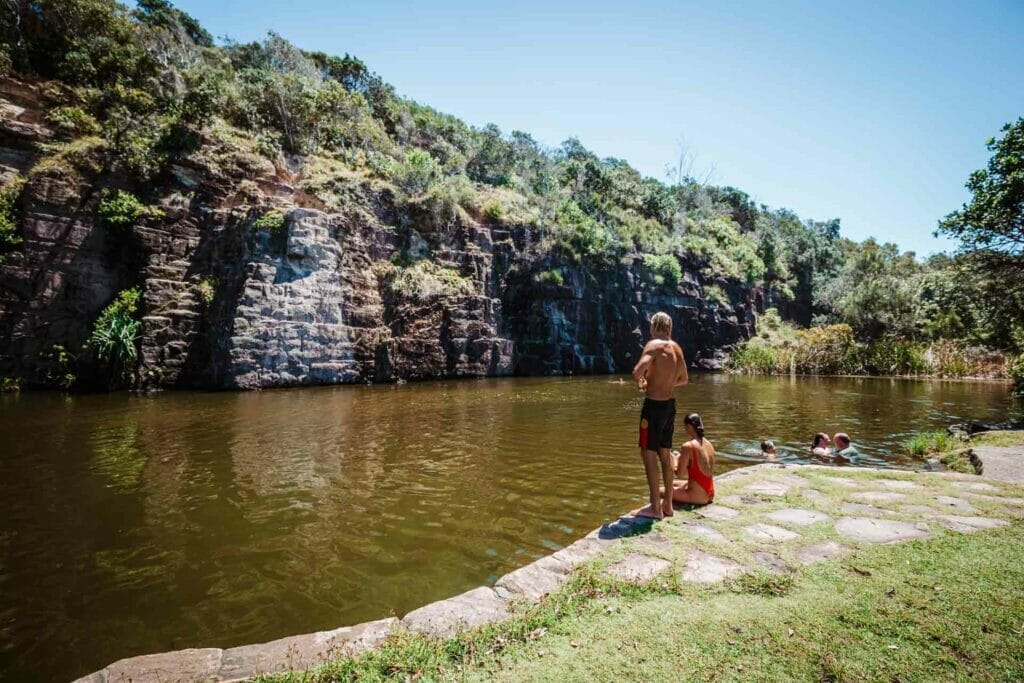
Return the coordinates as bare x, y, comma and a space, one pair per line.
696, 463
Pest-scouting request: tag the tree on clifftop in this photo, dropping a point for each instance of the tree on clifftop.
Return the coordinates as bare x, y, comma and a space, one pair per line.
994, 219
991, 228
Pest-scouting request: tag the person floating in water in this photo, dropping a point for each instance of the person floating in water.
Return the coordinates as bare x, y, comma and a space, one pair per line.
695, 483
659, 371
768, 449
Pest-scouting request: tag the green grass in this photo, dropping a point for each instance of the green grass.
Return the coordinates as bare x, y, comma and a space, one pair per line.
926, 443
945, 608
999, 438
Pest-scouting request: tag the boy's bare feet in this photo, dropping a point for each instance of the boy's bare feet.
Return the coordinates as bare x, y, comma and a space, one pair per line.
666, 508
650, 511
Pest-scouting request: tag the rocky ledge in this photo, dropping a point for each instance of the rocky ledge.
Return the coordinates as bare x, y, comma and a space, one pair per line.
253, 275
770, 517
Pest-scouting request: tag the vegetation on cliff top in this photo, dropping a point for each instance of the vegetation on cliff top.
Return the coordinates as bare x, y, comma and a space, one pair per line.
133, 91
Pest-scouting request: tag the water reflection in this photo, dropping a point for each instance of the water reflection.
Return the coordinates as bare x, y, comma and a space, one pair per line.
134, 524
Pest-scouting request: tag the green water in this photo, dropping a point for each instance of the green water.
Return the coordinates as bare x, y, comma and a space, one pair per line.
133, 524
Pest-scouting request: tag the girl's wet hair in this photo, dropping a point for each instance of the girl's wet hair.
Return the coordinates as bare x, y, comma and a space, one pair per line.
818, 438
693, 419
767, 445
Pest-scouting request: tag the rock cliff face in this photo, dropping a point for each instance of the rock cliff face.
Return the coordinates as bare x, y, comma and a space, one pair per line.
316, 299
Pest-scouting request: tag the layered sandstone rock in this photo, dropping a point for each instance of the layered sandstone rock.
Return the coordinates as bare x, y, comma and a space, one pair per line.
309, 302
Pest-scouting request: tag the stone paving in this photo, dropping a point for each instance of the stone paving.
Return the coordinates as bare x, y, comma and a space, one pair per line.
768, 518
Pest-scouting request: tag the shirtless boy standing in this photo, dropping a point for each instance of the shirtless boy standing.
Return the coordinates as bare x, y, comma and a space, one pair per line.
661, 368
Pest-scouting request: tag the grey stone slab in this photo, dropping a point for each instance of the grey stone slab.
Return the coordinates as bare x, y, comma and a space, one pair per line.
445, 618
878, 496
533, 581
706, 568
870, 530
655, 540
798, 516
719, 512
789, 480
1005, 500
813, 494
899, 484
772, 562
638, 568
966, 525
975, 486
768, 488
820, 552
958, 503
767, 532
181, 666
579, 552
704, 531
303, 651
863, 509
1004, 463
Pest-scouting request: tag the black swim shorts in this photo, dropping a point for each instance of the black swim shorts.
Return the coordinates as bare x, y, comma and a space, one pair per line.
657, 424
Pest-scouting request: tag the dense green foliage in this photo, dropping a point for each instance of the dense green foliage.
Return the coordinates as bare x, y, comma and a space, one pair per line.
141, 88
990, 229
780, 348
114, 334
9, 195
120, 209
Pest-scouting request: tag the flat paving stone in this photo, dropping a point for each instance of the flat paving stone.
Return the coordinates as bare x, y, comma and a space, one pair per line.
304, 651
655, 540
719, 512
181, 666
579, 552
789, 480
967, 525
899, 484
533, 581
958, 503
975, 486
445, 618
767, 532
813, 494
820, 552
798, 516
772, 562
704, 531
638, 568
871, 530
768, 488
1002, 462
863, 509
1005, 500
706, 568
878, 496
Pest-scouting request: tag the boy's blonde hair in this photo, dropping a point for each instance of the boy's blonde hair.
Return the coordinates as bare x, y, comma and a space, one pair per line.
661, 323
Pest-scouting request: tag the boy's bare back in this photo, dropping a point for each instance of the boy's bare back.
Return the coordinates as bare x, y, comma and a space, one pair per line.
666, 370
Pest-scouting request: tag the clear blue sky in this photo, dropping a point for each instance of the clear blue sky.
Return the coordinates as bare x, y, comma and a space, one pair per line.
875, 112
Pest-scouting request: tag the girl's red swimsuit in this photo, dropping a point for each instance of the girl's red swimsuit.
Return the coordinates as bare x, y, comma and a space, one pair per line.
695, 474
